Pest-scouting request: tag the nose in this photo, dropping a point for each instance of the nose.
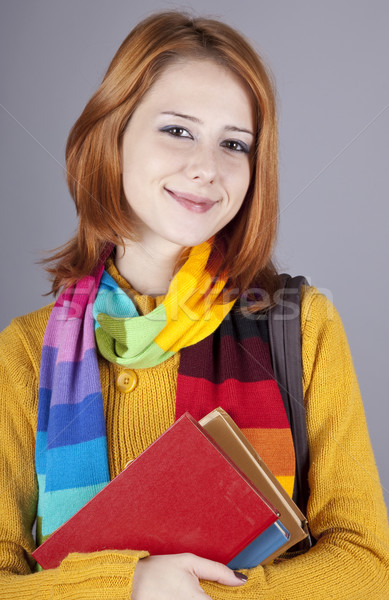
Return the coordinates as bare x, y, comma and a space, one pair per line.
202, 163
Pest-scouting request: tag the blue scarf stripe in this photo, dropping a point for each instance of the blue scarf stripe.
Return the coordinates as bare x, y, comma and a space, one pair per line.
44, 408
71, 414
73, 467
40, 454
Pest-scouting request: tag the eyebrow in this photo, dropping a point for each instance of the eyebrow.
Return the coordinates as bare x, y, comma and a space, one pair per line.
196, 120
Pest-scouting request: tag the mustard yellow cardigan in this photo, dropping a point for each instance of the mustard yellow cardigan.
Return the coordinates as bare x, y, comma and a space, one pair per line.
346, 509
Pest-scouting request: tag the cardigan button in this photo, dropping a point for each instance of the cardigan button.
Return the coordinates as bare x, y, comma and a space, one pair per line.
126, 381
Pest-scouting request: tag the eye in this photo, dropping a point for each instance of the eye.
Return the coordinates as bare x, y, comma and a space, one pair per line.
236, 146
177, 131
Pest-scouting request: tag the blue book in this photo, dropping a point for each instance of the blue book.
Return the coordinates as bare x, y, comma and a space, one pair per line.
265, 544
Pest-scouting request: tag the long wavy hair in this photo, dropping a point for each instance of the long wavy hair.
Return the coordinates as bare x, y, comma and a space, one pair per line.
93, 151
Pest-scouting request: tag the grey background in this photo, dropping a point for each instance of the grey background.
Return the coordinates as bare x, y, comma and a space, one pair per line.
330, 61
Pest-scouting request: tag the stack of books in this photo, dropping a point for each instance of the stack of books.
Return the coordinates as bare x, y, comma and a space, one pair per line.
199, 488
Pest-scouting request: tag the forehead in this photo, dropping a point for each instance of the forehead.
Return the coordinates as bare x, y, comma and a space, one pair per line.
201, 85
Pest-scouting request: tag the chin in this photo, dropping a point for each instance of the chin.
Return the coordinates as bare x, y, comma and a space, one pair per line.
189, 240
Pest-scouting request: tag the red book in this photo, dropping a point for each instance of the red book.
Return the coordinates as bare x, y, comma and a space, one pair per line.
182, 494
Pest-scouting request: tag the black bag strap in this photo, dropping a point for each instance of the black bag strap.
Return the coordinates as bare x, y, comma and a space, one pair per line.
285, 343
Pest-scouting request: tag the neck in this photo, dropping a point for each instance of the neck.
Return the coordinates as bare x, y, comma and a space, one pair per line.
148, 269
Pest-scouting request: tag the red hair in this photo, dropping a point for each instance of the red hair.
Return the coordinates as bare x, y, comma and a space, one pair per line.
93, 149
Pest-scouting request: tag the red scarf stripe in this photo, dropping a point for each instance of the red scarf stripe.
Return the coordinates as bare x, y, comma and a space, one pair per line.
261, 406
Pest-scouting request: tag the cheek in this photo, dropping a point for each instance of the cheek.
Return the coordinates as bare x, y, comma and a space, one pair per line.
164, 159
158, 160
239, 181
133, 182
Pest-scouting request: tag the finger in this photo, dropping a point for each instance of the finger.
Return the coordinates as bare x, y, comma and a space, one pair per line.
215, 571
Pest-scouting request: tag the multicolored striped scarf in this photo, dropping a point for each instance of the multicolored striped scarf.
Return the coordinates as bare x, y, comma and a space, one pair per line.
224, 361
71, 446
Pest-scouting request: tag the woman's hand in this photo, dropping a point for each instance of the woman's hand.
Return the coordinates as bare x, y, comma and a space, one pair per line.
177, 576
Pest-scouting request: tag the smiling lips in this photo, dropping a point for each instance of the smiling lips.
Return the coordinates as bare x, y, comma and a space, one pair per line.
197, 204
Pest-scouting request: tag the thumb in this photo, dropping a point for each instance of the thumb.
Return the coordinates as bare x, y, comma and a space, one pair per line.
215, 571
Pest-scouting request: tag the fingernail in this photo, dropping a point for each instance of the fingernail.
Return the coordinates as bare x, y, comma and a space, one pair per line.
240, 576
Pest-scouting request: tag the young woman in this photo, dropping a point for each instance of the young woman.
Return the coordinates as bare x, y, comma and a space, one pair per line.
173, 169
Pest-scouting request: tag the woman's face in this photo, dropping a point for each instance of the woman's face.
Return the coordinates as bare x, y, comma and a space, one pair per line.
186, 154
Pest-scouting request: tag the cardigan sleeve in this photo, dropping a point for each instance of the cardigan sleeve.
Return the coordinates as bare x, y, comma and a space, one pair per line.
346, 509
105, 574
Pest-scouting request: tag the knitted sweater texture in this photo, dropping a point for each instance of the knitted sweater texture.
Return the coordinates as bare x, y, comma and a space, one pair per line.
346, 510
